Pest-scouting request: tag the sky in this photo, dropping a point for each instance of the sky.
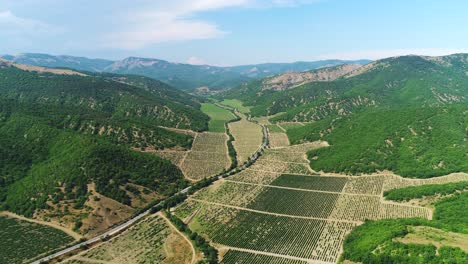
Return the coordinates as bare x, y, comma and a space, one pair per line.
234, 32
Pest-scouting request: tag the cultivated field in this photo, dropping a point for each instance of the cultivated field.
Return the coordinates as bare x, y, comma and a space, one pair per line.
150, 241
248, 137
234, 103
22, 240
207, 157
239, 257
278, 211
218, 117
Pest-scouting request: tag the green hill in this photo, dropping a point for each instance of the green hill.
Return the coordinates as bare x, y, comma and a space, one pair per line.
61, 132
406, 114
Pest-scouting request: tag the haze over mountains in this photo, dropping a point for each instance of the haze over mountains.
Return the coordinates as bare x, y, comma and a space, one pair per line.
183, 76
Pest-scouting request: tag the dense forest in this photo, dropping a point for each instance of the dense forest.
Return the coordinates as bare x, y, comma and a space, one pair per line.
417, 142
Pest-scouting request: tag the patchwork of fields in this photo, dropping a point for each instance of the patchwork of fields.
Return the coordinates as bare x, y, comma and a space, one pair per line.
150, 241
278, 211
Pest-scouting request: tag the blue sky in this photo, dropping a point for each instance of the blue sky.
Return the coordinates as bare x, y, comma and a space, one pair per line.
233, 32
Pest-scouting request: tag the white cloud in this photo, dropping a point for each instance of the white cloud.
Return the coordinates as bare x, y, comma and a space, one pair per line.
10, 24
174, 21
379, 54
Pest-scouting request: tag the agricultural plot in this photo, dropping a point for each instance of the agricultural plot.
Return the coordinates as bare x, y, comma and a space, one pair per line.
274, 129
218, 117
238, 257
256, 177
365, 185
290, 125
306, 203
207, 157
268, 233
248, 137
150, 241
277, 206
23, 240
278, 140
320, 183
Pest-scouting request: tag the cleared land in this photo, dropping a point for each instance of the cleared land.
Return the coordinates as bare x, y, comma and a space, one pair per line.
277, 211
234, 103
150, 241
207, 157
248, 137
218, 117
437, 237
22, 240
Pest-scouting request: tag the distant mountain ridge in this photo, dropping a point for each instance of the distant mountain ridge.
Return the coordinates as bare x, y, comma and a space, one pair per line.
183, 76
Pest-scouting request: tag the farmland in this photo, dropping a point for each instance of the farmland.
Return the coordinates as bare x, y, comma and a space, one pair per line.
278, 211
234, 103
247, 138
207, 157
22, 240
218, 117
150, 241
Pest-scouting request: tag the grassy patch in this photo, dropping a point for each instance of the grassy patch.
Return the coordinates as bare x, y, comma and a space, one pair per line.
236, 104
274, 129
218, 117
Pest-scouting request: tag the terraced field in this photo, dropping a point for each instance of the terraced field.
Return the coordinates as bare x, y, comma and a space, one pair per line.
278, 211
150, 241
248, 137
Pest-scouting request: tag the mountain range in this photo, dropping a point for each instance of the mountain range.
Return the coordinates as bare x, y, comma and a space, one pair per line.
183, 76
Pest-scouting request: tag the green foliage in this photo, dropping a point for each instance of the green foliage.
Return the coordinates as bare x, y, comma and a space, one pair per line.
373, 241
408, 193
452, 212
209, 252
417, 142
22, 240
42, 158
218, 117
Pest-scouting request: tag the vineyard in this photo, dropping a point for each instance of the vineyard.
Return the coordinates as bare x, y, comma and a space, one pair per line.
278, 211
150, 241
23, 240
207, 157
247, 138
238, 257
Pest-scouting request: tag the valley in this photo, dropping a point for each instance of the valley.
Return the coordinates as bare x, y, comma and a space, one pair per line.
304, 174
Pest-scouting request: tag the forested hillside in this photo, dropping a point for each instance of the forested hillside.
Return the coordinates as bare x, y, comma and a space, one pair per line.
405, 114
65, 136
392, 82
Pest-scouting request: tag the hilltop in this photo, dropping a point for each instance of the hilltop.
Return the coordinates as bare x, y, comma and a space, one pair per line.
183, 76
